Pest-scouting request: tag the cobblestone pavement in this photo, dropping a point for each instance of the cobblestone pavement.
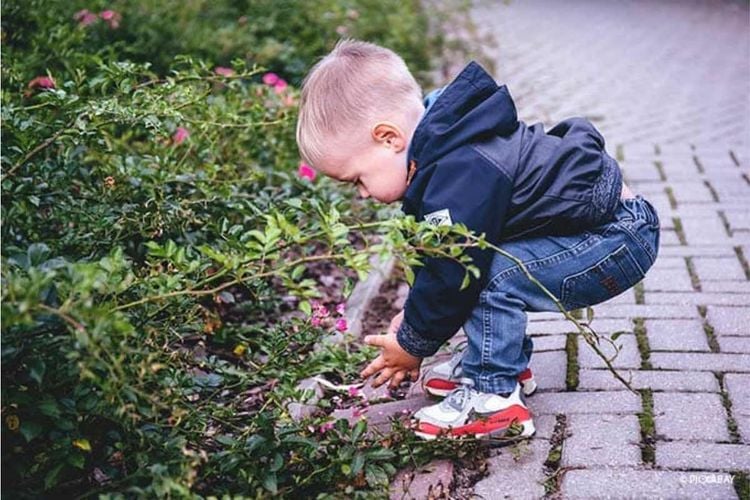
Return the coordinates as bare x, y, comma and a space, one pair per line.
668, 85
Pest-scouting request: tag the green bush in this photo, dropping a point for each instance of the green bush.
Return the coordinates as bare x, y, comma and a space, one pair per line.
157, 244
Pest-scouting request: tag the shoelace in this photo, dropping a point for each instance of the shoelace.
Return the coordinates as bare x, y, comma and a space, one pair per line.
459, 396
458, 352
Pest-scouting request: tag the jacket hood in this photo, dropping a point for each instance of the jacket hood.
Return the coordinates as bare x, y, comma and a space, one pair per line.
470, 107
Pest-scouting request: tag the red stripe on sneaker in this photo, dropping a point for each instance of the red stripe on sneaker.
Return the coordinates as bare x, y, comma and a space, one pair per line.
441, 384
500, 420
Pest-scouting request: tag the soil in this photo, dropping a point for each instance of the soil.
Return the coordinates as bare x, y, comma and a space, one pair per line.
388, 303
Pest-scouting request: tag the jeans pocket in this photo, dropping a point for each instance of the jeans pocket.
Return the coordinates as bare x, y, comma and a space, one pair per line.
609, 277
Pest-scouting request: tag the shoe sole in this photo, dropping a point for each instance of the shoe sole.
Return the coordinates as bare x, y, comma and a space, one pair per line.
528, 431
528, 387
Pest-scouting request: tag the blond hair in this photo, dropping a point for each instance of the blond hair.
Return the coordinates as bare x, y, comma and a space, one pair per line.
355, 84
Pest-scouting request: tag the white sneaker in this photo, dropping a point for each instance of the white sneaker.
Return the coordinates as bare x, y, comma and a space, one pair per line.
468, 412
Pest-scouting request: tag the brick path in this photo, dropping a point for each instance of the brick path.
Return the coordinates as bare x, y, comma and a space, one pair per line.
668, 84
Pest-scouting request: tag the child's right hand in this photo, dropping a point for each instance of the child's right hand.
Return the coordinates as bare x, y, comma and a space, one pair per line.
393, 363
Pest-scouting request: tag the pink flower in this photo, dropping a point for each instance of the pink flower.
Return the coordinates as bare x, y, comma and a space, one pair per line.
42, 82
315, 321
305, 171
341, 309
341, 325
85, 17
224, 71
280, 86
180, 135
358, 412
326, 427
111, 17
353, 392
270, 79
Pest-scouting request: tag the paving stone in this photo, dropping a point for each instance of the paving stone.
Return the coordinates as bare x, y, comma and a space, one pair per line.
726, 286
602, 440
668, 280
639, 484
549, 342
695, 298
565, 326
738, 388
550, 369
518, 471
668, 239
431, 481
646, 311
691, 192
734, 344
547, 403
705, 230
706, 250
729, 320
696, 416
738, 218
676, 335
664, 263
627, 357
713, 269
701, 361
658, 380
705, 456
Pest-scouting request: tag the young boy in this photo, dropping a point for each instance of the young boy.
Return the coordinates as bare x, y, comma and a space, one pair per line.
555, 200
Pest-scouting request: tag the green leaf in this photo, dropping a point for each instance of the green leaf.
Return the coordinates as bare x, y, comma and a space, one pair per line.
30, 429
36, 370
589, 314
358, 429
358, 463
305, 307
617, 334
465, 283
270, 483
409, 275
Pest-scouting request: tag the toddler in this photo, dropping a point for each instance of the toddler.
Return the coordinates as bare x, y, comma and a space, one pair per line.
554, 199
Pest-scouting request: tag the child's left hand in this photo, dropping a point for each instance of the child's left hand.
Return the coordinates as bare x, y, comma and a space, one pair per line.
394, 363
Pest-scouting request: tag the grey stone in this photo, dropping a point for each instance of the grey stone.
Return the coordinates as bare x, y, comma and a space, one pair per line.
565, 326
676, 335
657, 380
726, 286
627, 357
714, 269
547, 403
518, 471
646, 311
699, 361
704, 456
724, 250
550, 369
668, 280
630, 483
602, 440
549, 342
734, 344
431, 481
738, 388
695, 416
693, 298
730, 320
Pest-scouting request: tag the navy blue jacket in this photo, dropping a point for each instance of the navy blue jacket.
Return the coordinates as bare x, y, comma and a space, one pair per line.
473, 162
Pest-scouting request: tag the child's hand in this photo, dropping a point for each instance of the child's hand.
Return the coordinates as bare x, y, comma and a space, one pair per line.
394, 363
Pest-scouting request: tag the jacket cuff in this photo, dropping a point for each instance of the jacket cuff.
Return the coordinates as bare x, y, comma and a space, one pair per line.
413, 343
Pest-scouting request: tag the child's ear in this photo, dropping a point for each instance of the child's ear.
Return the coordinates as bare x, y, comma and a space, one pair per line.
389, 134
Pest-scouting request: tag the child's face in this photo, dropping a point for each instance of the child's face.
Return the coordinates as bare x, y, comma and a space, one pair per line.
379, 170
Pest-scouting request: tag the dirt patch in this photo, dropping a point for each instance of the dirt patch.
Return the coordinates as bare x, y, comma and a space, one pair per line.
388, 303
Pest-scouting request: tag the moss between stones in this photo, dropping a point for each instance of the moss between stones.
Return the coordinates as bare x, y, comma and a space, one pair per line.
648, 429
641, 337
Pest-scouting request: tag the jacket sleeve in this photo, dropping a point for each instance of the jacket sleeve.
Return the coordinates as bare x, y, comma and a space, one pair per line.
477, 194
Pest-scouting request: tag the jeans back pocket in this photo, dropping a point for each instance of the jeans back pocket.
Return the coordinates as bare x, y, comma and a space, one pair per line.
609, 277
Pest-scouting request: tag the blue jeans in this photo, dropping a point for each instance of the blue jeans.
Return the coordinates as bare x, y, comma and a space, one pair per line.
581, 270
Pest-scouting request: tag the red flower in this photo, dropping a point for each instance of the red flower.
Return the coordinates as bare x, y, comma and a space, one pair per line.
111, 17
305, 171
42, 82
341, 325
224, 71
180, 135
280, 86
85, 17
270, 79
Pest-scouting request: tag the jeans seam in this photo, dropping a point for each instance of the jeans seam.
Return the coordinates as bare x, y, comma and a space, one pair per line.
486, 337
537, 263
639, 240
